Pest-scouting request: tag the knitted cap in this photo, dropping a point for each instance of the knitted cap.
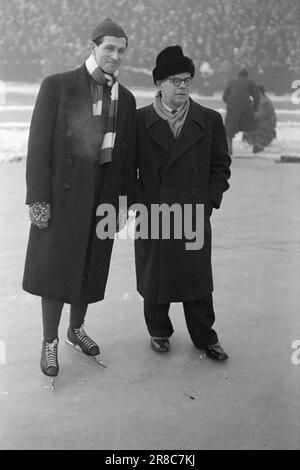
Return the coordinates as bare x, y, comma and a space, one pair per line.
171, 61
108, 28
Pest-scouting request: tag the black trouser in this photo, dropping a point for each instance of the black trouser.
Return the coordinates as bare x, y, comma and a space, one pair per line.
199, 317
52, 309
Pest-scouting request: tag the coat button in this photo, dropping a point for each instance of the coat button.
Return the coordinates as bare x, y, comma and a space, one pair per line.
69, 133
70, 160
196, 168
67, 186
194, 191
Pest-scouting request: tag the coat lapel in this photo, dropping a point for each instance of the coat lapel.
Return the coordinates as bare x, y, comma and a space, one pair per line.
80, 96
81, 124
192, 132
122, 114
159, 130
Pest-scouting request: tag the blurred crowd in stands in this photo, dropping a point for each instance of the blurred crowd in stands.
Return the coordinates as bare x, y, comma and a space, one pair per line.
43, 37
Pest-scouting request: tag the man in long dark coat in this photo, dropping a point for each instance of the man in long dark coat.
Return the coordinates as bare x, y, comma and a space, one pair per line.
80, 155
182, 158
266, 121
241, 97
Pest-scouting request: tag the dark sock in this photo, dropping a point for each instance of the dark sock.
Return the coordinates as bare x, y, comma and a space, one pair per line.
77, 315
51, 313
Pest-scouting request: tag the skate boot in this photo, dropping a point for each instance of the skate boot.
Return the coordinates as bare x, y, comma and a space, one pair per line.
78, 337
49, 363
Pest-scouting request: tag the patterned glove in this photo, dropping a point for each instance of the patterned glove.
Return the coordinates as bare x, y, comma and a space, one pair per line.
39, 214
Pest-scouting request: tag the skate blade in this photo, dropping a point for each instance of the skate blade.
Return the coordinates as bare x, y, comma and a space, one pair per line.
95, 359
52, 383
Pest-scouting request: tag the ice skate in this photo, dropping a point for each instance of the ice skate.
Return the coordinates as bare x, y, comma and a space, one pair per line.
79, 340
49, 362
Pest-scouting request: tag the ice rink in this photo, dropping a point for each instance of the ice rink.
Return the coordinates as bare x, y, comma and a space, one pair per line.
16, 111
182, 400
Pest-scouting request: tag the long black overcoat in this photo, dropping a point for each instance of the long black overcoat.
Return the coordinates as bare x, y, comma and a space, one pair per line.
192, 169
63, 170
241, 97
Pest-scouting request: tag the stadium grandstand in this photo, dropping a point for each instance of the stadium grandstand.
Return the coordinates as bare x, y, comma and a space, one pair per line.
43, 37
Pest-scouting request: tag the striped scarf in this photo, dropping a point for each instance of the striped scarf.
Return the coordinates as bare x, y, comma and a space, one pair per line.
175, 121
102, 79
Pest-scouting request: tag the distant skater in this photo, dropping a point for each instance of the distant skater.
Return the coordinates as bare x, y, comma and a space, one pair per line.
266, 120
241, 97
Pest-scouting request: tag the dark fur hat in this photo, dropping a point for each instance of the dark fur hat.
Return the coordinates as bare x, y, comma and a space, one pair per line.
171, 61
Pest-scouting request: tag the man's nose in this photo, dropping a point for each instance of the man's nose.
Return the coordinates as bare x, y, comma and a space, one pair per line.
115, 56
182, 85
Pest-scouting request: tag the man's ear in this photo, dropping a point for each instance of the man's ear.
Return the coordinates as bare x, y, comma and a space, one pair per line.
91, 46
158, 84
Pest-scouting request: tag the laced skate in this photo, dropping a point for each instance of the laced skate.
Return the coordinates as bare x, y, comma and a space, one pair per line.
79, 340
49, 363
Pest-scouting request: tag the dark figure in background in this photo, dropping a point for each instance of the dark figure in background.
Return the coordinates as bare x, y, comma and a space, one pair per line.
241, 97
266, 121
182, 157
80, 154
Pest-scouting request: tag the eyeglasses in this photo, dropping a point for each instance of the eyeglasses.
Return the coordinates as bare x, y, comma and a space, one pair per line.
177, 81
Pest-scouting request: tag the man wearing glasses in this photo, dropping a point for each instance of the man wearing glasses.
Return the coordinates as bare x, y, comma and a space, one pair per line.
182, 159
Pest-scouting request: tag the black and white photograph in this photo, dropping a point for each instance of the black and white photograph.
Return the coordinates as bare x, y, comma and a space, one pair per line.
150, 227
